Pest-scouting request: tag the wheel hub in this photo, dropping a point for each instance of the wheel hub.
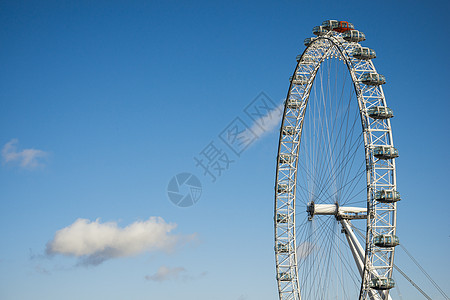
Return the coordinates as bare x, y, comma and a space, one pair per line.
340, 212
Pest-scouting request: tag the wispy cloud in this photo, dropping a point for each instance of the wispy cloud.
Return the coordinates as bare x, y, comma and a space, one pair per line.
165, 273
264, 124
26, 158
94, 242
268, 122
41, 270
305, 249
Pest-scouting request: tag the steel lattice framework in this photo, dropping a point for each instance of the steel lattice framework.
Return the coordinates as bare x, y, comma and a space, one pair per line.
372, 261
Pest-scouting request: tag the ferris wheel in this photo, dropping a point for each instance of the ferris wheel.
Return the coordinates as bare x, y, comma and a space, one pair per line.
335, 192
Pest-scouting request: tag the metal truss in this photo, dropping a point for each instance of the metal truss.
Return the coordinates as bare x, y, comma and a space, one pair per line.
372, 261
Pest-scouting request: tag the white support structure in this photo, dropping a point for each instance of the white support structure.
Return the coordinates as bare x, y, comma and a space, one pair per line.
358, 254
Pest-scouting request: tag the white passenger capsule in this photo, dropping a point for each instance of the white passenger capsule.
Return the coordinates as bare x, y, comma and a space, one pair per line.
373, 79
299, 79
282, 218
286, 158
307, 60
283, 188
282, 248
288, 130
284, 276
319, 30
387, 196
385, 152
354, 36
308, 41
364, 53
294, 104
380, 112
386, 240
382, 283
330, 24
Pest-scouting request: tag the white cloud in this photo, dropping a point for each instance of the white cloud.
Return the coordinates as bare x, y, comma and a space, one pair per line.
95, 242
27, 158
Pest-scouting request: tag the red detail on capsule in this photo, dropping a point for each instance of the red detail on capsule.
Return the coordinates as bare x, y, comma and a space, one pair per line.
342, 27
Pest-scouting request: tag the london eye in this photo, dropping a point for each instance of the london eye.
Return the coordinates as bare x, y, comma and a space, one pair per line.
335, 189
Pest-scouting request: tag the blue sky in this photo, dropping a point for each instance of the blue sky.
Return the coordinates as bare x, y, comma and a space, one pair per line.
109, 99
